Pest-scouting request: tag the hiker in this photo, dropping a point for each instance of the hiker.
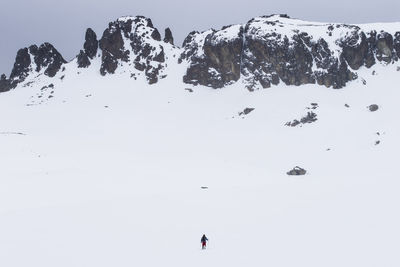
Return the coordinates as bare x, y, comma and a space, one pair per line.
204, 240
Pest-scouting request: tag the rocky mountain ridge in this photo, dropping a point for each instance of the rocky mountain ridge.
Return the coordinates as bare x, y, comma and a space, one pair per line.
263, 52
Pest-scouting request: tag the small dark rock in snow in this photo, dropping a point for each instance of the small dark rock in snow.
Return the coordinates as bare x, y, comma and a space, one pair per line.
297, 171
293, 123
106, 106
373, 107
246, 111
189, 90
377, 142
309, 118
204, 187
12, 133
346, 105
398, 68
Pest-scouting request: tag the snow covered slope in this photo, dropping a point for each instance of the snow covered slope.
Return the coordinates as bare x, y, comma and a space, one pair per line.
107, 170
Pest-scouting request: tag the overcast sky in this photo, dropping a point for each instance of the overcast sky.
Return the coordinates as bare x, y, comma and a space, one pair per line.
63, 23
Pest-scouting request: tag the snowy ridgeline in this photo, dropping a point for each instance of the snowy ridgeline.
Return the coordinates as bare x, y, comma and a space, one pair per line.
266, 51
110, 171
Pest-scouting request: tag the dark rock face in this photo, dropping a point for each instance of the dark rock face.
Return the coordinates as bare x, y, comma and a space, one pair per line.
91, 44
355, 48
269, 60
384, 47
168, 38
22, 65
44, 57
112, 46
127, 41
263, 55
5, 84
214, 63
156, 35
83, 60
297, 171
397, 43
90, 49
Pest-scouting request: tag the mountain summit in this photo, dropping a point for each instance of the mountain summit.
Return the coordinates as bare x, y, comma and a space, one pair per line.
263, 52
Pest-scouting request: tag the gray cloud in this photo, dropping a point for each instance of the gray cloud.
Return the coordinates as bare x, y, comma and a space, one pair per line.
63, 23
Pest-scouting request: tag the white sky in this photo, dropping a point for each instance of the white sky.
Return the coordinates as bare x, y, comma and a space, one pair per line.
63, 23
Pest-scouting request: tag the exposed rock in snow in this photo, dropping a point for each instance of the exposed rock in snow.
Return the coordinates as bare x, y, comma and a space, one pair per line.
297, 171
135, 41
90, 49
265, 51
373, 107
309, 118
43, 59
276, 48
168, 38
5, 84
214, 57
246, 111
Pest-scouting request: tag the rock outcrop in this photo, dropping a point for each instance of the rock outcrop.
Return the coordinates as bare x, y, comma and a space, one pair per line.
263, 52
297, 171
168, 38
5, 84
90, 47
273, 49
246, 111
215, 61
134, 41
45, 58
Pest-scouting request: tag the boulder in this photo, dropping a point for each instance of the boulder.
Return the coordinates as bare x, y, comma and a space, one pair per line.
246, 111
373, 107
297, 171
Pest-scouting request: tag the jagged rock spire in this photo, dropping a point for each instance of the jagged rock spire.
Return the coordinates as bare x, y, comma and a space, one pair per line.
168, 38
90, 49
